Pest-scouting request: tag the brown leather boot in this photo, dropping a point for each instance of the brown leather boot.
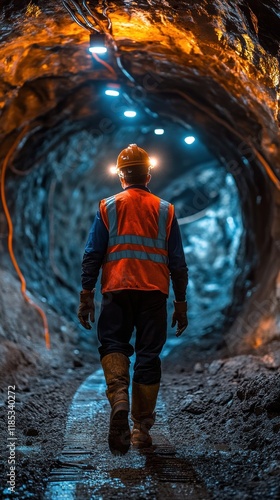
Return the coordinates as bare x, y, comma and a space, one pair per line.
144, 399
116, 371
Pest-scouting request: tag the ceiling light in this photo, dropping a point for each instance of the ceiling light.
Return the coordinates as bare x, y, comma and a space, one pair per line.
189, 139
112, 92
130, 114
159, 131
97, 43
153, 162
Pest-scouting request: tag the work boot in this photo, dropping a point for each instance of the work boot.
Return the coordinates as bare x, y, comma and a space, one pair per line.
144, 399
116, 371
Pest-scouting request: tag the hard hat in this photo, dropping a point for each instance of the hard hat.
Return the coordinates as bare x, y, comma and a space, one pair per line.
134, 157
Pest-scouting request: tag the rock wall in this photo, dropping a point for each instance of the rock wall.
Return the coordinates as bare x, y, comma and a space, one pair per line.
212, 66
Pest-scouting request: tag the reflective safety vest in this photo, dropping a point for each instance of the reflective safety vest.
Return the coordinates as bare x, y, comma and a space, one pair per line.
139, 226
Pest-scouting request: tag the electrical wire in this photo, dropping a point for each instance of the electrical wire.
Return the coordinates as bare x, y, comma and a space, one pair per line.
186, 97
10, 237
93, 15
84, 23
106, 65
82, 13
104, 12
22, 173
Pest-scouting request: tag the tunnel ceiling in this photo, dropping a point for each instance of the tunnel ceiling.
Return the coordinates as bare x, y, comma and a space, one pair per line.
211, 67
223, 55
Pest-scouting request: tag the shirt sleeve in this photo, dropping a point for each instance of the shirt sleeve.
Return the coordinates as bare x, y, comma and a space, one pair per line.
95, 250
177, 263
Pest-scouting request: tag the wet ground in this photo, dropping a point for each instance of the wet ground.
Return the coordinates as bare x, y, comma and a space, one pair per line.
217, 434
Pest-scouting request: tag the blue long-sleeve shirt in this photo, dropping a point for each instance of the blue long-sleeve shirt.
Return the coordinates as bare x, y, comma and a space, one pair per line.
96, 248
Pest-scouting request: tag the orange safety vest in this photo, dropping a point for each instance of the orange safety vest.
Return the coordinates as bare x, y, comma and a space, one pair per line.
139, 226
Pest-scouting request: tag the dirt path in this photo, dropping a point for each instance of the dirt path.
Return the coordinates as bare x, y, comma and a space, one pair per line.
86, 468
217, 432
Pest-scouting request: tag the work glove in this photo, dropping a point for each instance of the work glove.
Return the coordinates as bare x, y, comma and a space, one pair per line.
86, 309
180, 317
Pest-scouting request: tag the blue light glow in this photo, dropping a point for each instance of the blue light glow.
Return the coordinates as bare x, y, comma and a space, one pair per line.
130, 114
111, 92
189, 139
98, 50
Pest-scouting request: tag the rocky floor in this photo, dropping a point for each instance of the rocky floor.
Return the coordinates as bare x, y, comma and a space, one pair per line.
225, 420
223, 413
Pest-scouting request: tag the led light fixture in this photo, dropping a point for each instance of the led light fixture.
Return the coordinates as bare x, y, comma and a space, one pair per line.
189, 139
130, 113
112, 92
97, 43
159, 131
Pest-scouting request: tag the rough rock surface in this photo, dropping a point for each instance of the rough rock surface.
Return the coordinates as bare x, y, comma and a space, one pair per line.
211, 67
223, 414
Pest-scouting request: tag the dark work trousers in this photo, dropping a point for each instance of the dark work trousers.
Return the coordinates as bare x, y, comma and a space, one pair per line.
146, 311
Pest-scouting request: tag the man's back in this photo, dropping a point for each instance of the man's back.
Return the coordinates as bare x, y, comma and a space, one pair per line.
136, 239
139, 225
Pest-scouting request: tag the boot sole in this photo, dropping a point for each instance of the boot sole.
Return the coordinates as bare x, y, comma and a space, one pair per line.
141, 444
119, 433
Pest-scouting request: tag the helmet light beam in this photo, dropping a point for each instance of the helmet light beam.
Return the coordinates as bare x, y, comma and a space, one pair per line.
133, 157
113, 169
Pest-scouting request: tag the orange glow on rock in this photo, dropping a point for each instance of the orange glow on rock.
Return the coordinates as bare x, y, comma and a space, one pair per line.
264, 332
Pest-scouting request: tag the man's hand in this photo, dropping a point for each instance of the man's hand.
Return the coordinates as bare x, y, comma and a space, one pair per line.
86, 308
180, 317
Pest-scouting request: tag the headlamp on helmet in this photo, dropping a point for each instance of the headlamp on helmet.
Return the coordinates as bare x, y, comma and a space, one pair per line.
133, 161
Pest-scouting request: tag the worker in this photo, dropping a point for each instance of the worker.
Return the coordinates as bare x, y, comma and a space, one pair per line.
136, 240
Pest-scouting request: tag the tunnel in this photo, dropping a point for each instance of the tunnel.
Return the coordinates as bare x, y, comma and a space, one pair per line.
197, 86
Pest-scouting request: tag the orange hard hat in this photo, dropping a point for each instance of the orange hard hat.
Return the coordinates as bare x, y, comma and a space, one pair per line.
133, 156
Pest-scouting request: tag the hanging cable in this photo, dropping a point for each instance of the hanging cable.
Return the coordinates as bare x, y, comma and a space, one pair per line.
84, 15
10, 236
82, 19
186, 97
21, 172
106, 65
104, 12
75, 10
83, 9
93, 15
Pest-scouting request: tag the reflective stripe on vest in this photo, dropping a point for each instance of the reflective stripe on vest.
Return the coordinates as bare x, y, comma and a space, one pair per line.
160, 242
112, 214
135, 254
136, 240
162, 221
